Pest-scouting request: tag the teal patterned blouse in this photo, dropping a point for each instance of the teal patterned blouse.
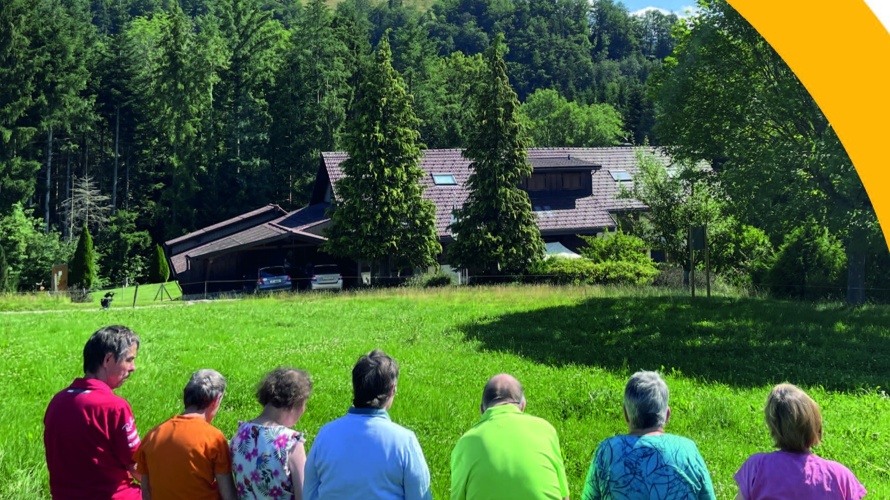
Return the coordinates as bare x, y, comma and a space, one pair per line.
652, 467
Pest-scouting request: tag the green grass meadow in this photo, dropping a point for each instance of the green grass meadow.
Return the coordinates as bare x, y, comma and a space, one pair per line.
572, 348
144, 295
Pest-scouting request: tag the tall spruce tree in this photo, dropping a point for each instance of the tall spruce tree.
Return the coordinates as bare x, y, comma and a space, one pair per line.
83, 272
380, 216
496, 231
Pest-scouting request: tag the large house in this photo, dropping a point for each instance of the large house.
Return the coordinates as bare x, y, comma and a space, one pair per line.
573, 192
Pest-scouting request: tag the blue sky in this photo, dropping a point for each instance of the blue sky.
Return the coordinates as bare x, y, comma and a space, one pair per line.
670, 5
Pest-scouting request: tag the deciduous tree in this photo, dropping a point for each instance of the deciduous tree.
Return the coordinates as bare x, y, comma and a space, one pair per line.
728, 98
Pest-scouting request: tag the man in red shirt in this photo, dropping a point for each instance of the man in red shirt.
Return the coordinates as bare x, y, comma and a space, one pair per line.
89, 433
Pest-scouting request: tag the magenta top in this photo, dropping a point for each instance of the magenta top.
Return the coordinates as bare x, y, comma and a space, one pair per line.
782, 475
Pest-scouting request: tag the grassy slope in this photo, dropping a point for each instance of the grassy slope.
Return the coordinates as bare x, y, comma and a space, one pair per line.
572, 348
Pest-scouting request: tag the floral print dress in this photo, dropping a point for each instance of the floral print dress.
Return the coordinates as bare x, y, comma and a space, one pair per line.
259, 460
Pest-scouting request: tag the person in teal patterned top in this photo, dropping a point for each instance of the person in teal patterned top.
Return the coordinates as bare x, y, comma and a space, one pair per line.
646, 463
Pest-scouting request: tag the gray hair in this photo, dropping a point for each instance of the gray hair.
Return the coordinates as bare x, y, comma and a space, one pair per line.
646, 400
203, 388
114, 339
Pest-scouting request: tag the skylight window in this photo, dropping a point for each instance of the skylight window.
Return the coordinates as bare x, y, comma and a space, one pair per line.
621, 175
444, 180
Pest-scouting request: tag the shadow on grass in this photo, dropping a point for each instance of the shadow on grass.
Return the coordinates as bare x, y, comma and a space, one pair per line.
738, 342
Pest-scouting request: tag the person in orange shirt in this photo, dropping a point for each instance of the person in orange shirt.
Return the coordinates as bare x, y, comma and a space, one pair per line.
186, 457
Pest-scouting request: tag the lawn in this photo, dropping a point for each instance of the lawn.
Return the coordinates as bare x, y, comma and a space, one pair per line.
571, 347
144, 295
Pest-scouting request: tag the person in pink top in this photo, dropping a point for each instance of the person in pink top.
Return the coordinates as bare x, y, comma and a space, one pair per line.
89, 432
794, 472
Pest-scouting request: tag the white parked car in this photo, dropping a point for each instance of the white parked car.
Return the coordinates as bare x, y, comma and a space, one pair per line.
326, 277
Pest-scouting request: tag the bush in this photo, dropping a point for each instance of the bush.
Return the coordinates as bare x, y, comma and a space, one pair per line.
82, 270
742, 255
809, 265
564, 271
30, 252
158, 270
616, 247
432, 280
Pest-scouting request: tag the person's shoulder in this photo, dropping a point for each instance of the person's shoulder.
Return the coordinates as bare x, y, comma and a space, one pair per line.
212, 432
536, 421
680, 441
399, 431
836, 468
617, 440
332, 427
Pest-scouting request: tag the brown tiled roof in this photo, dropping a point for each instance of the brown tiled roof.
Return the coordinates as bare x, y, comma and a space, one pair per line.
290, 224
560, 162
564, 216
224, 228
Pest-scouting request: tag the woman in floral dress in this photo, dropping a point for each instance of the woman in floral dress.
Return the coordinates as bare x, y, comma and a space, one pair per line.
267, 455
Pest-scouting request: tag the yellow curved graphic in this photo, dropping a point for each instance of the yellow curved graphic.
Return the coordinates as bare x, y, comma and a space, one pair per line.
840, 51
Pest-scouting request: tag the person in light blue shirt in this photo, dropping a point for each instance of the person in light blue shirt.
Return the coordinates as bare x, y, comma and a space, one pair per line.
364, 455
646, 463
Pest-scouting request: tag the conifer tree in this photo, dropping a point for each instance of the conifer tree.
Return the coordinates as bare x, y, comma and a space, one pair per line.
83, 272
158, 270
496, 231
380, 216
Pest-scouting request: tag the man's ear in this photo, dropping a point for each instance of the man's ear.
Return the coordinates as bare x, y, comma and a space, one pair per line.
668, 416
522, 405
626, 420
109, 359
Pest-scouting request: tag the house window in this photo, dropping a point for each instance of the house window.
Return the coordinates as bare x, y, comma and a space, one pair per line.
444, 180
621, 175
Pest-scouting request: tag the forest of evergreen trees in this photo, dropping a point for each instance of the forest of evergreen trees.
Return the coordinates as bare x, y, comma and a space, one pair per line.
146, 119
142, 120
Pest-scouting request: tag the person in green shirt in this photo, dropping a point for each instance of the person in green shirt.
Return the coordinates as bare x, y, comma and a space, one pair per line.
508, 454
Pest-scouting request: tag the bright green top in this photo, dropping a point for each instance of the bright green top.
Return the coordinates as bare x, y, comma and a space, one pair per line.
508, 454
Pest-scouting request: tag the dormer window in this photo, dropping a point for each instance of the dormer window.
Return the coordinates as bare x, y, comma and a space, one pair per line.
444, 180
621, 175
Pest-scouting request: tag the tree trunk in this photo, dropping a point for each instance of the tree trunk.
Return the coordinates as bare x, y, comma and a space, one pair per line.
855, 250
117, 133
49, 172
69, 226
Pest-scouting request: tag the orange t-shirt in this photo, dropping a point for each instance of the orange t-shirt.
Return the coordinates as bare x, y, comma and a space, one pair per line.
182, 457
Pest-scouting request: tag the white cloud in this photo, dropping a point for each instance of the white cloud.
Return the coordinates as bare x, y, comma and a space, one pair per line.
647, 9
686, 11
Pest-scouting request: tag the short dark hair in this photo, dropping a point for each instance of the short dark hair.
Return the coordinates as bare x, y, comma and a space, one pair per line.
793, 418
373, 378
284, 387
203, 388
114, 339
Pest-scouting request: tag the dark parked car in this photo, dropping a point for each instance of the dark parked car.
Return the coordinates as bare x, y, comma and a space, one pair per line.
272, 278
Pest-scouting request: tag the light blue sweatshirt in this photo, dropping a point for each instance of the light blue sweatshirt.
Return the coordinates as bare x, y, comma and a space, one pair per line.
365, 456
